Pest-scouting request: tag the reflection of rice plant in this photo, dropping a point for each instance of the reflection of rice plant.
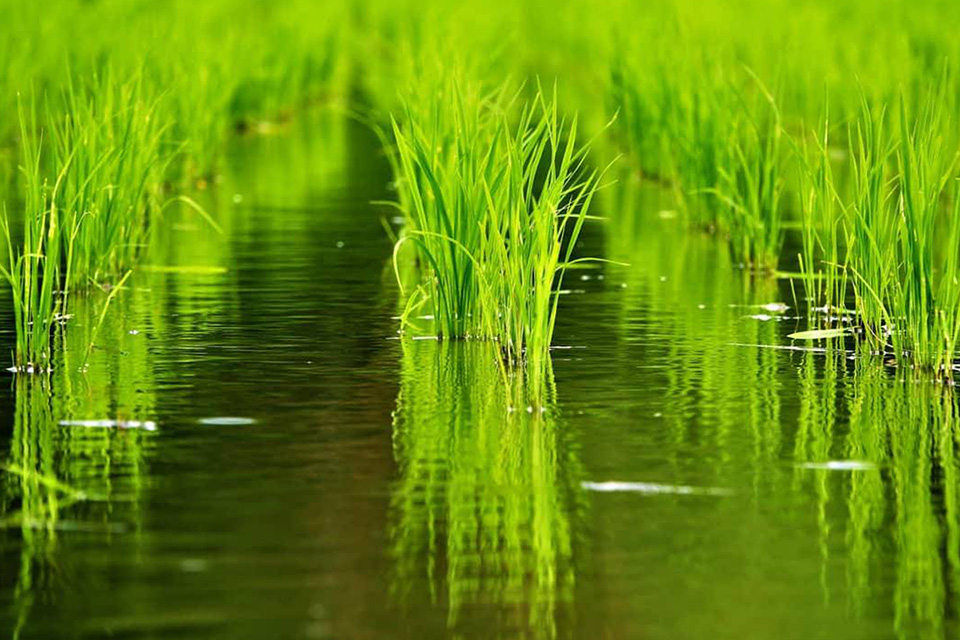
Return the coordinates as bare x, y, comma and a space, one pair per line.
77, 458
901, 503
484, 506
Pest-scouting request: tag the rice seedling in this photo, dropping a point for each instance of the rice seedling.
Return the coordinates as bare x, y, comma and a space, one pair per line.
873, 228
925, 294
33, 268
823, 230
109, 150
446, 156
724, 157
494, 210
904, 240
750, 187
90, 185
695, 114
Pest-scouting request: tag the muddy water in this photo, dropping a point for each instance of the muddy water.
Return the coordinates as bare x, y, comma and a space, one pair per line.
280, 465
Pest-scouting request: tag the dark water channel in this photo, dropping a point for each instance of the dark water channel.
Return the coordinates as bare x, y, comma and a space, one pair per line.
287, 468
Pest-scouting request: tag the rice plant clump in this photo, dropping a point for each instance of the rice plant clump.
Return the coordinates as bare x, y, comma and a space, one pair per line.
92, 176
109, 152
904, 235
494, 206
33, 269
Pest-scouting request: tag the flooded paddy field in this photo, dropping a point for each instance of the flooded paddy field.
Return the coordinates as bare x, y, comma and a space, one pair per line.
394, 319
250, 449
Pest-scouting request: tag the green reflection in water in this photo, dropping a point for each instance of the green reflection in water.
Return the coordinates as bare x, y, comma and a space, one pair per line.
845, 464
891, 517
816, 425
692, 316
488, 493
913, 431
65, 475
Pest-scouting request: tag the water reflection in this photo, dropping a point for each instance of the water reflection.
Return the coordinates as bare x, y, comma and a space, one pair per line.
842, 520
65, 475
487, 502
837, 515
886, 504
694, 339
902, 518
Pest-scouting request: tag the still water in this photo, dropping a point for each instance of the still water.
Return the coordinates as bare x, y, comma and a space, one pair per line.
249, 451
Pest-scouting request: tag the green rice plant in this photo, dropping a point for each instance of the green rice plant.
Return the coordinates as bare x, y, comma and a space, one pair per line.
637, 99
34, 267
904, 241
495, 210
873, 225
925, 294
91, 186
291, 68
697, 117
751, 185
238, 65
197, 99
528, 238
823, 229
724, 153
446, 154
109, 150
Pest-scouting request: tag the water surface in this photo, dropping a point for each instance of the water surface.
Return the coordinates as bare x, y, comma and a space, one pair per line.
310, 475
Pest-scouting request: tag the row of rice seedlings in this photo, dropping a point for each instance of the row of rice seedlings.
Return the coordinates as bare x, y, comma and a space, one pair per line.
222, 64
723, 149
215, 86
893, 233
494, 208
692, 114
